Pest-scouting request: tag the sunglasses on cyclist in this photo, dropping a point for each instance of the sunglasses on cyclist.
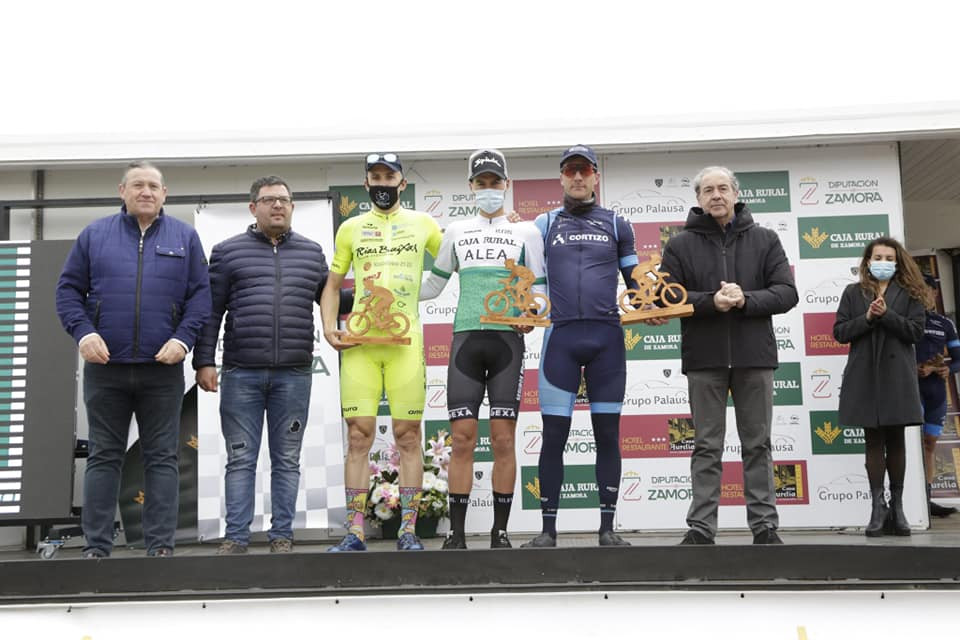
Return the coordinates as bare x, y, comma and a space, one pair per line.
571, 170
374, 158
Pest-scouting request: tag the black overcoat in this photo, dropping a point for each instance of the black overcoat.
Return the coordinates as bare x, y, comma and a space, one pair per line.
880, 379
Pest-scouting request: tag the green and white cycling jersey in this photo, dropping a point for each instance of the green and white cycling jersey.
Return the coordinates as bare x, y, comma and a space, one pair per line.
476, 249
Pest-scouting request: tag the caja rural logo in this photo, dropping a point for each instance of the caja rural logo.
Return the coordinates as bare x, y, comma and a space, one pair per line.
578, 490
839, 236
653, 343
828, 436
765, 191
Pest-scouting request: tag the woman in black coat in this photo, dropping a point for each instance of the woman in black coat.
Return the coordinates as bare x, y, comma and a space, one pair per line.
882, 317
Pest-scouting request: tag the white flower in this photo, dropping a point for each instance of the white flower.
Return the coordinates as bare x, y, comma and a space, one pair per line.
429, 480
377, 494
441, 486
383, 512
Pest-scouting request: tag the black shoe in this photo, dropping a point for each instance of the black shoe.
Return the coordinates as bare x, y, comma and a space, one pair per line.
767, 536
161, 552
940, 511
937, 510
454, 540
878, 515
896, 523
94, 554
695, 537
544, 540
612, 539
499, 540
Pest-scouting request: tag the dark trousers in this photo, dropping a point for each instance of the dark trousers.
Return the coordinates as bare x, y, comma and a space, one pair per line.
113, 393
752, 391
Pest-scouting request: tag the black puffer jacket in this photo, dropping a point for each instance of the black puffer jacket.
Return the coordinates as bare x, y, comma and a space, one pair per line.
268, 294
701, 256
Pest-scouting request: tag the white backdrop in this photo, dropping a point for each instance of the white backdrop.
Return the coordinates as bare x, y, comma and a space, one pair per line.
320, 500
825, 203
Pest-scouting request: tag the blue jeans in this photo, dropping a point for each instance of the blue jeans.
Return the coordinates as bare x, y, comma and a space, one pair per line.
113, 393
284, 393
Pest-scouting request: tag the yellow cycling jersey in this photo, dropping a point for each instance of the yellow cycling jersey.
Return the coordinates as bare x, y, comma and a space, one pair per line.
386, 252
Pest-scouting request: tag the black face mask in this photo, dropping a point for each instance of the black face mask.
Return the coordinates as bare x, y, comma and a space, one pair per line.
384, 197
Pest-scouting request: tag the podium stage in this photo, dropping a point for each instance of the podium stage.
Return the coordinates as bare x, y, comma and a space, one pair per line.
810, 560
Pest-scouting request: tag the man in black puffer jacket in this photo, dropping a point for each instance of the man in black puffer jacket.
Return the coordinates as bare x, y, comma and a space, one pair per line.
737, 277
267, 281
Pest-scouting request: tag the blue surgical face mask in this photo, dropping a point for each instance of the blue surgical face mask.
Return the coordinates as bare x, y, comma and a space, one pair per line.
882, 270
489, 200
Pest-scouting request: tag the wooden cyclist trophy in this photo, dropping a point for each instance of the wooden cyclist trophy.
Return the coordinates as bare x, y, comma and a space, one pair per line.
651, 288
374, 313
516, 294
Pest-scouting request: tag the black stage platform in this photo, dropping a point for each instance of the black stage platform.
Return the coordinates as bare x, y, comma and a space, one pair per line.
809, 560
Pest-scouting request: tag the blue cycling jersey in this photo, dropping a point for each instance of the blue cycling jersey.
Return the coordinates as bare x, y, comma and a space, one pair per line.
939, 333
584, 252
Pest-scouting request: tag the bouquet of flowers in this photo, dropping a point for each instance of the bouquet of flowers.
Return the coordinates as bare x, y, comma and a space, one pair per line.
383, 502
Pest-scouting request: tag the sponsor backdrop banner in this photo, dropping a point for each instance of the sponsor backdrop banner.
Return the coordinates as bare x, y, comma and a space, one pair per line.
320, 501
825, 204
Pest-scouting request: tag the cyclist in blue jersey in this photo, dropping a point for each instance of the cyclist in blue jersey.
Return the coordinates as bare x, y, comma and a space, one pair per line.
586, 246
938, 334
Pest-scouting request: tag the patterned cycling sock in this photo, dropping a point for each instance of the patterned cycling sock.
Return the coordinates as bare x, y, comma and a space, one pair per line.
356, 507
409, 506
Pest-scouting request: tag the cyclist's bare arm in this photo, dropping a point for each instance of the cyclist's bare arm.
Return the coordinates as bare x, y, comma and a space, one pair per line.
329, 306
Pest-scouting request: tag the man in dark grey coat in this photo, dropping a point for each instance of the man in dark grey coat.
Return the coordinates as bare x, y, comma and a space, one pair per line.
737, 276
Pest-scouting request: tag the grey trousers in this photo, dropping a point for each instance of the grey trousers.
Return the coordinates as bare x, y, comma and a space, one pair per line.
752, 391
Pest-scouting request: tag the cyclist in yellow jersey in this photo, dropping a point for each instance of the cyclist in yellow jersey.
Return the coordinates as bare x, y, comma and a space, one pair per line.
391, 241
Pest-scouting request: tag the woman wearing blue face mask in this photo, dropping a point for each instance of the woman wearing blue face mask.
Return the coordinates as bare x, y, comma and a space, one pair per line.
882, 318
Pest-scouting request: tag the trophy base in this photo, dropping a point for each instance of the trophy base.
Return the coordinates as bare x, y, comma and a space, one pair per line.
349, 338
519, 321
634, 317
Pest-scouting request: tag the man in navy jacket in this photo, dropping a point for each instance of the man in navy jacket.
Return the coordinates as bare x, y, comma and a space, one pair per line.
266, 280
134, 293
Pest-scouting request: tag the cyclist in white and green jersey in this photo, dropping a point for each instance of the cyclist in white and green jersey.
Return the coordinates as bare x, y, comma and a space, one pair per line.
484, 357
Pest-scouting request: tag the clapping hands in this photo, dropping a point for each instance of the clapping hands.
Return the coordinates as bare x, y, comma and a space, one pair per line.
729, 296
877, 308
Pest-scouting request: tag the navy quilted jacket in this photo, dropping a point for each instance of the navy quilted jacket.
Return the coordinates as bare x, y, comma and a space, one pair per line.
136, 291
268, 292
